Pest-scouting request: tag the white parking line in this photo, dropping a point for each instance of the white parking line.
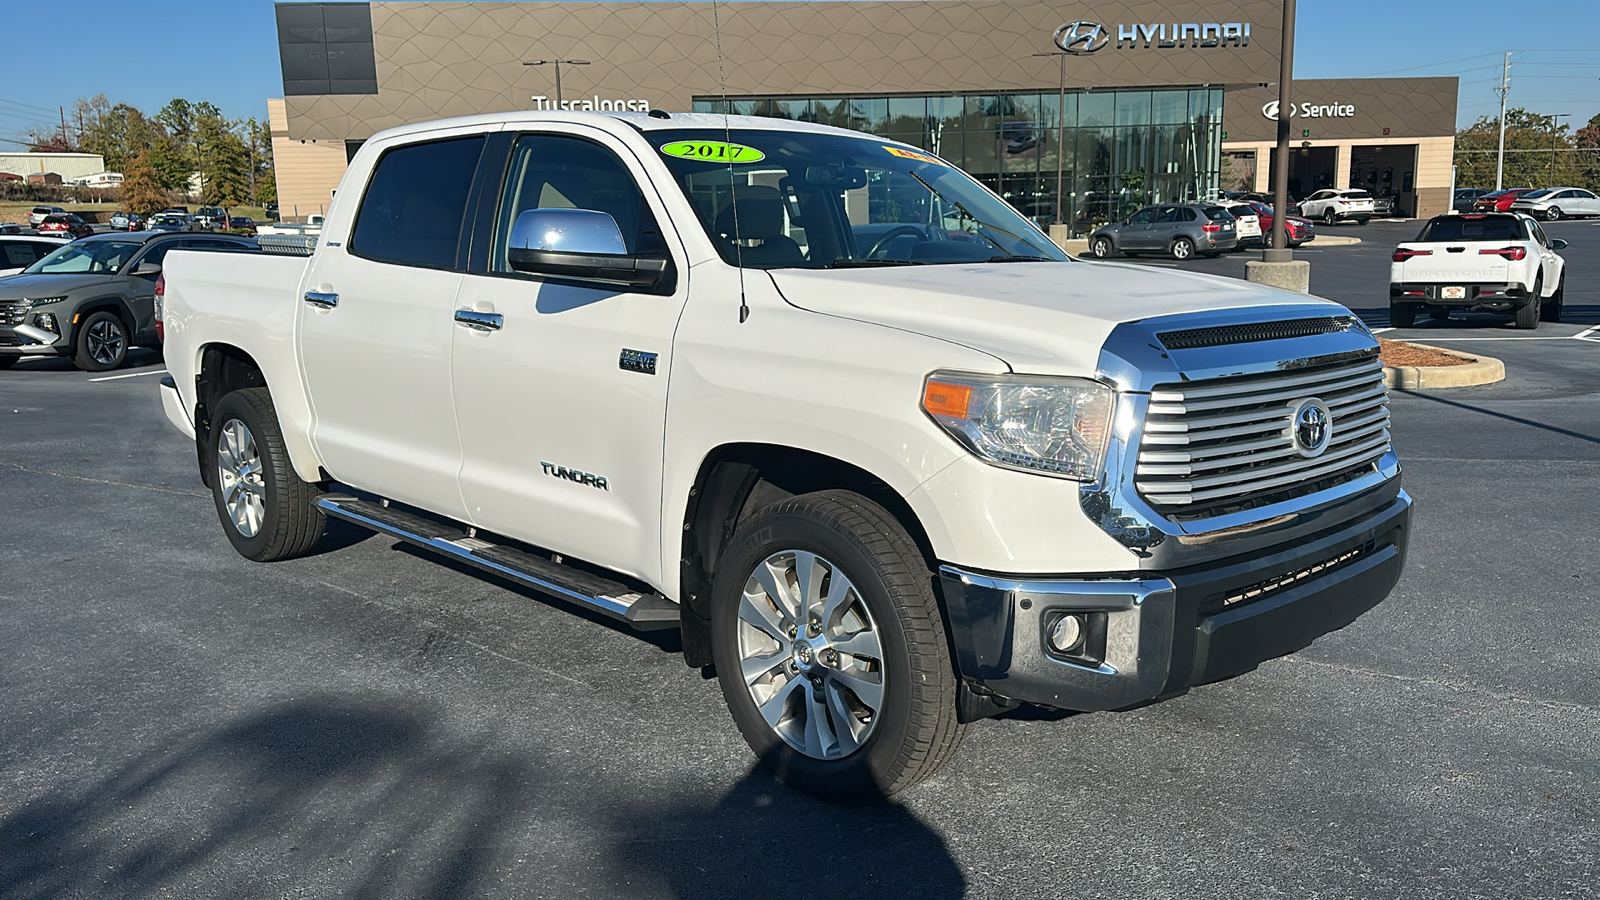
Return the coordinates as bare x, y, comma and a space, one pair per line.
130, 375
1586, 335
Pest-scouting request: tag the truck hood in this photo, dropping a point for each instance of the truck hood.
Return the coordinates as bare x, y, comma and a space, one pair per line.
18, 287
1039, 318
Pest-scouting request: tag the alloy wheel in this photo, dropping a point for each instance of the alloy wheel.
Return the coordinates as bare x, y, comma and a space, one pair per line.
239, 474
106, 341
811, 654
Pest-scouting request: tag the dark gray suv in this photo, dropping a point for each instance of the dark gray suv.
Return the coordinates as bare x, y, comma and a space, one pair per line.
94, 298
1179, 230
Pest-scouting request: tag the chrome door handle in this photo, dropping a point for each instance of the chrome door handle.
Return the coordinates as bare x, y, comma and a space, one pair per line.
322, 300
479, 321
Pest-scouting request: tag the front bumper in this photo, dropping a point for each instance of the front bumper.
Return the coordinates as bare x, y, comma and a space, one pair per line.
1156, 636
1482, 295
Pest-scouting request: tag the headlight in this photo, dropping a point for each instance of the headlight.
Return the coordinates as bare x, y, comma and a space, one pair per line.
1057, 426
41, 301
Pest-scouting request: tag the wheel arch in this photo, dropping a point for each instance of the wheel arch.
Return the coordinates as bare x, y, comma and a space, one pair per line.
107, 303
220, 369
737, 480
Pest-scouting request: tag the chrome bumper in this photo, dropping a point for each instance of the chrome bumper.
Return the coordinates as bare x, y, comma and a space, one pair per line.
1156, 636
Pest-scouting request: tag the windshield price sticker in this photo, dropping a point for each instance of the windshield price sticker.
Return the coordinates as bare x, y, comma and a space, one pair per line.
912, 154
713, 152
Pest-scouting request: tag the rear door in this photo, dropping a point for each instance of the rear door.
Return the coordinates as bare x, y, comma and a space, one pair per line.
561, 403
376, 325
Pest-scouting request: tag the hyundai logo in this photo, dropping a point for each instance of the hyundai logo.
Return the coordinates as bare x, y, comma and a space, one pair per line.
1311, 427
1082, 37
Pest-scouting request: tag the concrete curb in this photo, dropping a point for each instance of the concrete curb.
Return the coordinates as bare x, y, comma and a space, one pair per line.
1481, 370
1328, 240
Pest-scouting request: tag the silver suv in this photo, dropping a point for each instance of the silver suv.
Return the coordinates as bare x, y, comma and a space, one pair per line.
1179, 230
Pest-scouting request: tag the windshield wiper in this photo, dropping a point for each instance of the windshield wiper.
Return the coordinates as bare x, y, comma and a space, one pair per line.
848, 263
1005, 259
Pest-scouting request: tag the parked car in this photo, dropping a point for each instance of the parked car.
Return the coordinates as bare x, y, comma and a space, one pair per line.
272, 211
17, 252
1179, 230
39, 213
1489, 262
1499, 201
94, 298
1299, 229
10, 228
1332, 205
1554, 203
125, 221
1465, 198
1383, 206
210, 218
242, 223
66, 223
893, 495
1249, 223
168, 222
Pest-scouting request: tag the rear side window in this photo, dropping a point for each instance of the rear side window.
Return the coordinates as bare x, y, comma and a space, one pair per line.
414, 205
1218, 214
18, 254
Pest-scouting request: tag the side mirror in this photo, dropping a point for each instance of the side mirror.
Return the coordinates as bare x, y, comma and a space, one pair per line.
581, 244
147, 270
1558, 244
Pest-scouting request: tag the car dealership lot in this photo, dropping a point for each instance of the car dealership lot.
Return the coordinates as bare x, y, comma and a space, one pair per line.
180, 721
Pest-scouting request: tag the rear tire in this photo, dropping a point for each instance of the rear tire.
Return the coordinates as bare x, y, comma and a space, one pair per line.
1528, 316
1553, 308
1329, 218
1402, 315
8, 361
267, 512
1182, 249
1552, 214
886, 717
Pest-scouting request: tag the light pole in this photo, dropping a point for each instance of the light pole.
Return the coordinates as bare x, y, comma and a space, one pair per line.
1061, 118
558, 63
1279, 250
1554, 133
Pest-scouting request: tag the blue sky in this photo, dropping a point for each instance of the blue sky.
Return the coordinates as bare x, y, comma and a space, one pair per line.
225, 51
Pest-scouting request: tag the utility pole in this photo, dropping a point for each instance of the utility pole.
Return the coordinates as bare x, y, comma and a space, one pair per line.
1554, 133
558, 63
1502, 90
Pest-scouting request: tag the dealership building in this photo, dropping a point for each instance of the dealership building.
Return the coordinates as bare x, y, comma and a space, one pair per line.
1120, 103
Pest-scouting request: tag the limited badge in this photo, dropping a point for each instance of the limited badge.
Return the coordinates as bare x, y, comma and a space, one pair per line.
912, 154
713, 152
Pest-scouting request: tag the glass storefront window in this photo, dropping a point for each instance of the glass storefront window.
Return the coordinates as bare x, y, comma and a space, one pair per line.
870, 114
908, 115
1169, 107
1133, 107
798, 110
1096, 109
831, 111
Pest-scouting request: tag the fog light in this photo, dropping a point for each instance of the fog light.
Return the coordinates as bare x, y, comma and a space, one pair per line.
47, 321
1067, 634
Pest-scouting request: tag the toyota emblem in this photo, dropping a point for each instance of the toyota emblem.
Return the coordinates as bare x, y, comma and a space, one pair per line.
1311, 427
1082, 37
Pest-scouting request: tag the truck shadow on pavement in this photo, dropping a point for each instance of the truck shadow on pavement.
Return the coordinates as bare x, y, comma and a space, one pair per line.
351, 798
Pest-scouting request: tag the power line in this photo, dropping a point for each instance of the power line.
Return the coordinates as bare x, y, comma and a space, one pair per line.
26, 105
1433, 65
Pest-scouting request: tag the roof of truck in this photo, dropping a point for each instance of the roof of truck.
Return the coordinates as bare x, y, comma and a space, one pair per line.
639, 121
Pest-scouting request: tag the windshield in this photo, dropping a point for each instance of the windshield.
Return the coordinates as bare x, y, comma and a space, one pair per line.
79, 258
820, 201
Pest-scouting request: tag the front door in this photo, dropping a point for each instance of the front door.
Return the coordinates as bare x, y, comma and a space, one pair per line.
1136, 234
561, 404
376, 324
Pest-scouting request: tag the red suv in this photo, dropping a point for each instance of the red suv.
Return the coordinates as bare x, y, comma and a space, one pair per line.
65, 223
1498, 201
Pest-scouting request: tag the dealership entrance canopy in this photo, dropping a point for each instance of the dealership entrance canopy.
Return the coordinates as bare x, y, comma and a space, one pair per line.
1150, 102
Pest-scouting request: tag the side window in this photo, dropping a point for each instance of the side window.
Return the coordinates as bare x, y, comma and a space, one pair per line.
1143, 217
158, 254
1538, 234
1169, 214
18, 254
552, 171
412, 211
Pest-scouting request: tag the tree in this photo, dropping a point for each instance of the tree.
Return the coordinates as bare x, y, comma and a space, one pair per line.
227, 179
1538, 152
141, 186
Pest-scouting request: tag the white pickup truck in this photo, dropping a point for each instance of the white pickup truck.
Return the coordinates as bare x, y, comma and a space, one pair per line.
1484, 262
890, 459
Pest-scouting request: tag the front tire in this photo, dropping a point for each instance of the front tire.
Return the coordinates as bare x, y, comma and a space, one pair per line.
102, 343
267, 512
1182, 249
1103, 248
831, 649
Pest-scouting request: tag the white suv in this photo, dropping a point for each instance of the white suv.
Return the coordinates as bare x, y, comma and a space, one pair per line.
1333, 206
40, 213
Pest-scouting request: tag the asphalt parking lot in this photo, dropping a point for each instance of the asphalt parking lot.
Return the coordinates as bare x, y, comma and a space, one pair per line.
177, 721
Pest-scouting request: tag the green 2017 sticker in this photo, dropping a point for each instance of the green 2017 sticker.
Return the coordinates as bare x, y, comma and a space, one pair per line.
713, 152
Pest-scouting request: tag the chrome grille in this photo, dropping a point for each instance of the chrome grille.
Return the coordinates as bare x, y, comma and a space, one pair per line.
1214, 447
12, 314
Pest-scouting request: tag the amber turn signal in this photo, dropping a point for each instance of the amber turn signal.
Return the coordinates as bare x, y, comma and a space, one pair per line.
941, 398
